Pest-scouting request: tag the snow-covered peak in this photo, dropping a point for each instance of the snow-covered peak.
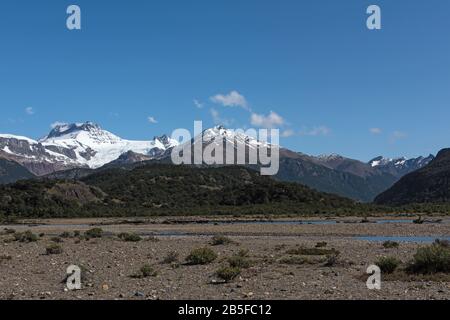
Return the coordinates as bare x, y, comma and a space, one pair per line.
95, 146
401, 162
166, 141
86, 133
379, 161
330, 157
220, 133
66, 128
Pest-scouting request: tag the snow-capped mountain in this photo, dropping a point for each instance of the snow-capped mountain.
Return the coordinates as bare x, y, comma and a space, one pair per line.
76, 145
400, 166
220, 134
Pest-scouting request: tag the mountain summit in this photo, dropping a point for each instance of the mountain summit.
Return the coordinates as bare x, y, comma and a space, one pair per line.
76, 145
429, 184
64, 129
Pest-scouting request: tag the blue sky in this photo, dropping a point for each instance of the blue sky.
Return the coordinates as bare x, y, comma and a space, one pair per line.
311, 68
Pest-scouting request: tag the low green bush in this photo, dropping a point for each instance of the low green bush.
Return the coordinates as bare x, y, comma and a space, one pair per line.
145, 271
240, 262
321, 244
172, 257
4, 257
312, 251
431, 259
57, 239
220, 240
388, 264
94, 233
228, 273
26, 236
294, 260
390, 244
129, 237
201, 256
65, 235
54, 249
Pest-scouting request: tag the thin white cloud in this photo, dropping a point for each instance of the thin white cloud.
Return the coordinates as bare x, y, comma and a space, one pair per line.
287, 133
29, 111
397, 135
272, 120
232, 99
198, 104
316, 131
152, 120
375, 131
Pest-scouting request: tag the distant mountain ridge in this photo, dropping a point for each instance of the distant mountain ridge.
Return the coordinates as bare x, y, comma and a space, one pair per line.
79, 149
343, 176
430, 184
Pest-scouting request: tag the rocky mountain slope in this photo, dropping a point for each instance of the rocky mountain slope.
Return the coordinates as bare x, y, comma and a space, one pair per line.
431, 184
11, 171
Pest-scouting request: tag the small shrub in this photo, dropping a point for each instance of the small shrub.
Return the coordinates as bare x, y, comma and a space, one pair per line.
201, 256
321, 244
145, 271
388, 264
129, 237
76, 233
26, 236
312, 251
172, 257
294, 260
239, 262
243, 253
65, 235
228, 273
9, 231
390, 244
57, 239
220, 240
431, 259
331, 261
54, 249
94, 233
152, 239
420, 220
4, 257
443, 243
41, 235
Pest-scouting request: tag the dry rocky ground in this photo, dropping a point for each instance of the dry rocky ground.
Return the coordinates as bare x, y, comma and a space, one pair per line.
27, 272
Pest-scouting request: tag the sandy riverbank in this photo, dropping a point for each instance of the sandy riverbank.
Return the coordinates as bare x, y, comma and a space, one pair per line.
109, 262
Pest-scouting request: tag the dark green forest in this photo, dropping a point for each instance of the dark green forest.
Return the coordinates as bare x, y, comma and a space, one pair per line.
161, 189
